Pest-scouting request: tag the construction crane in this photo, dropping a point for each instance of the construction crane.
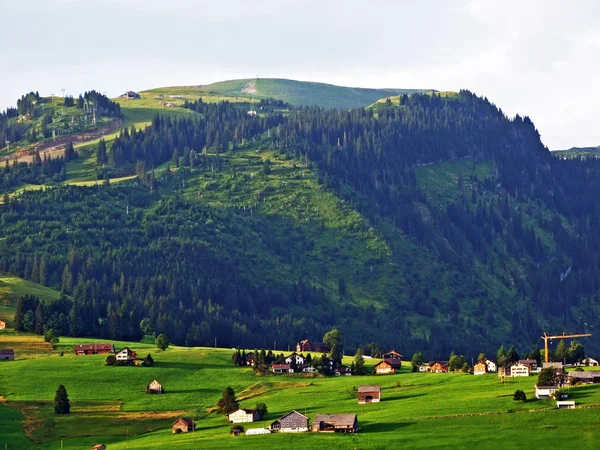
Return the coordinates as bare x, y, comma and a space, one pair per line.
545, 337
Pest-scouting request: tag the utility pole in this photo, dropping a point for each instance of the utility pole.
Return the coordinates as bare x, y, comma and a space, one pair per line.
8, 146
63, 91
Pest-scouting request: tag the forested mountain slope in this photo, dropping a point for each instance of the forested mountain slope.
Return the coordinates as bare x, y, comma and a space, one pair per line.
433, 223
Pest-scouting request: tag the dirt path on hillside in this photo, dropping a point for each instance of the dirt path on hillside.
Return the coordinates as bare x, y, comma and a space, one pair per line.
61, 142
250, 88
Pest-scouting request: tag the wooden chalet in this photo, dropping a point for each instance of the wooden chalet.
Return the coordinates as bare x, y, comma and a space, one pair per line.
294, 422
438, 366
384, 368
126, 355
154, 388
396, 363
392, 354
2, 325
481, 368
282, 368
7, 354
369, 394
335, 423
183, 425
244, 415
93, 349
308, 346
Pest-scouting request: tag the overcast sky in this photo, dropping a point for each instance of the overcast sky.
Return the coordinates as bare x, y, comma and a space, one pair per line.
539, 58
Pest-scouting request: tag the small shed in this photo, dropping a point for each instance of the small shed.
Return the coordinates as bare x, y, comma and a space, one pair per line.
565, 404
154, 388
542, 392
99, 447
369, 394
275, 426
7, 354
480, 368
183, 425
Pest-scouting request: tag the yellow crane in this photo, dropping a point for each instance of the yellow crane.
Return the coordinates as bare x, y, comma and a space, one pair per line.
545, 337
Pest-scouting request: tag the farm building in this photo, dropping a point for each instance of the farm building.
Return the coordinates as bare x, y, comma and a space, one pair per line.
183, 425
369, 394
99, 447
392, 354
308, 346
565, 404
126, 355
480, 368
438, 366
491, 365
93, 349
584, 377
396, 363
335, 423
244, 415
531, 363
558, 366
7, 354
519, 370
342, 370
542, 392
299, 359
130, 95
294, 422
154, 388
275, 426
236, 431
307, 368
384, 368
2, 325
282, 368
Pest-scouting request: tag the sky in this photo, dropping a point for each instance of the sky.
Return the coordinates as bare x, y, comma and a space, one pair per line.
536, 58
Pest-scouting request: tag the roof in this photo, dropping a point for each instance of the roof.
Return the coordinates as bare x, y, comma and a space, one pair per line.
101, 346
442, 363
99, 446
527, 361
292, 412
280, 366
247, 411
591, 374
7, 351
546, 387
394, 362
187, 421
370, 388
337, 419
383, 362
393, 352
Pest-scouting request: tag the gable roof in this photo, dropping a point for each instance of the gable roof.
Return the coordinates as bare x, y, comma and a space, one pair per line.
383, 362
292, 412
186, 420
247, 411
393, 352
347, 420
369, 388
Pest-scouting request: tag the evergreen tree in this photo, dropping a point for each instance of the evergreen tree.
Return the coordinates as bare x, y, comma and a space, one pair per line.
359, 362
334, 340
61, 401
101, 155
417, 361
162, 342
227, 403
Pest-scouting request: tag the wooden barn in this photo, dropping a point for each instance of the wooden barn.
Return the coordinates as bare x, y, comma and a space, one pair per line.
93, 349
308, 346
154, 388
183, 425
335, 423
369, 394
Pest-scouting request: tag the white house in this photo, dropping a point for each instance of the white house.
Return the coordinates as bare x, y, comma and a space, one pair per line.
424, 368
299, 359
519, 370
491, 365
244, 415
545, 391
126, 355
589, 362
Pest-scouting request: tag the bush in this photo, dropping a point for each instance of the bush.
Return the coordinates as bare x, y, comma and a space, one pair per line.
110, 360
519, 396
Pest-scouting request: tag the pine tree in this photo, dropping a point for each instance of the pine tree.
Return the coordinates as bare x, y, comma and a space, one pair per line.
101, 155
359, 362
61, 401
227, 403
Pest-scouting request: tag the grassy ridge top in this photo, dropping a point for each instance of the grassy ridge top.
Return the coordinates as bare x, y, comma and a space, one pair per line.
303, 93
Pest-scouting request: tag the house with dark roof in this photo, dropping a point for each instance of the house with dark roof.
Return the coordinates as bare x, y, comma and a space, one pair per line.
369, 394
294, 422
335, 423
308, 346
93, 349
384, 368
183, 425
438, 366
392, 354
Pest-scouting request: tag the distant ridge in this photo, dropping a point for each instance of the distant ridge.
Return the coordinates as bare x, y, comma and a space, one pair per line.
304, 93
580, 149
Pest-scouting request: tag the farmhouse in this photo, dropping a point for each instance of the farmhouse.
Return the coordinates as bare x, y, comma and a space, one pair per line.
130, 95
299, 359
7, 354
480, 368
335, 423
126, 355
93, 349
183, 425
244, 415
491, 365
531, 363
154, 388
2, 325
308, 346
542, 392
99, 447
282, 368
586, 362
384, 368
396, 363
392, 354
369, 394
519, 370
438, 366
293, 422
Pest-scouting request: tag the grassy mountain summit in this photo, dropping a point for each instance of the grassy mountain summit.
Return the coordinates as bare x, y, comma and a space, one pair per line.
304, 93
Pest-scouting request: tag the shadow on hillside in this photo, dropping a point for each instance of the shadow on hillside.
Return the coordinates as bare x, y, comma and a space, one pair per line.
379, 427
400, 397
181, 365
188, 391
